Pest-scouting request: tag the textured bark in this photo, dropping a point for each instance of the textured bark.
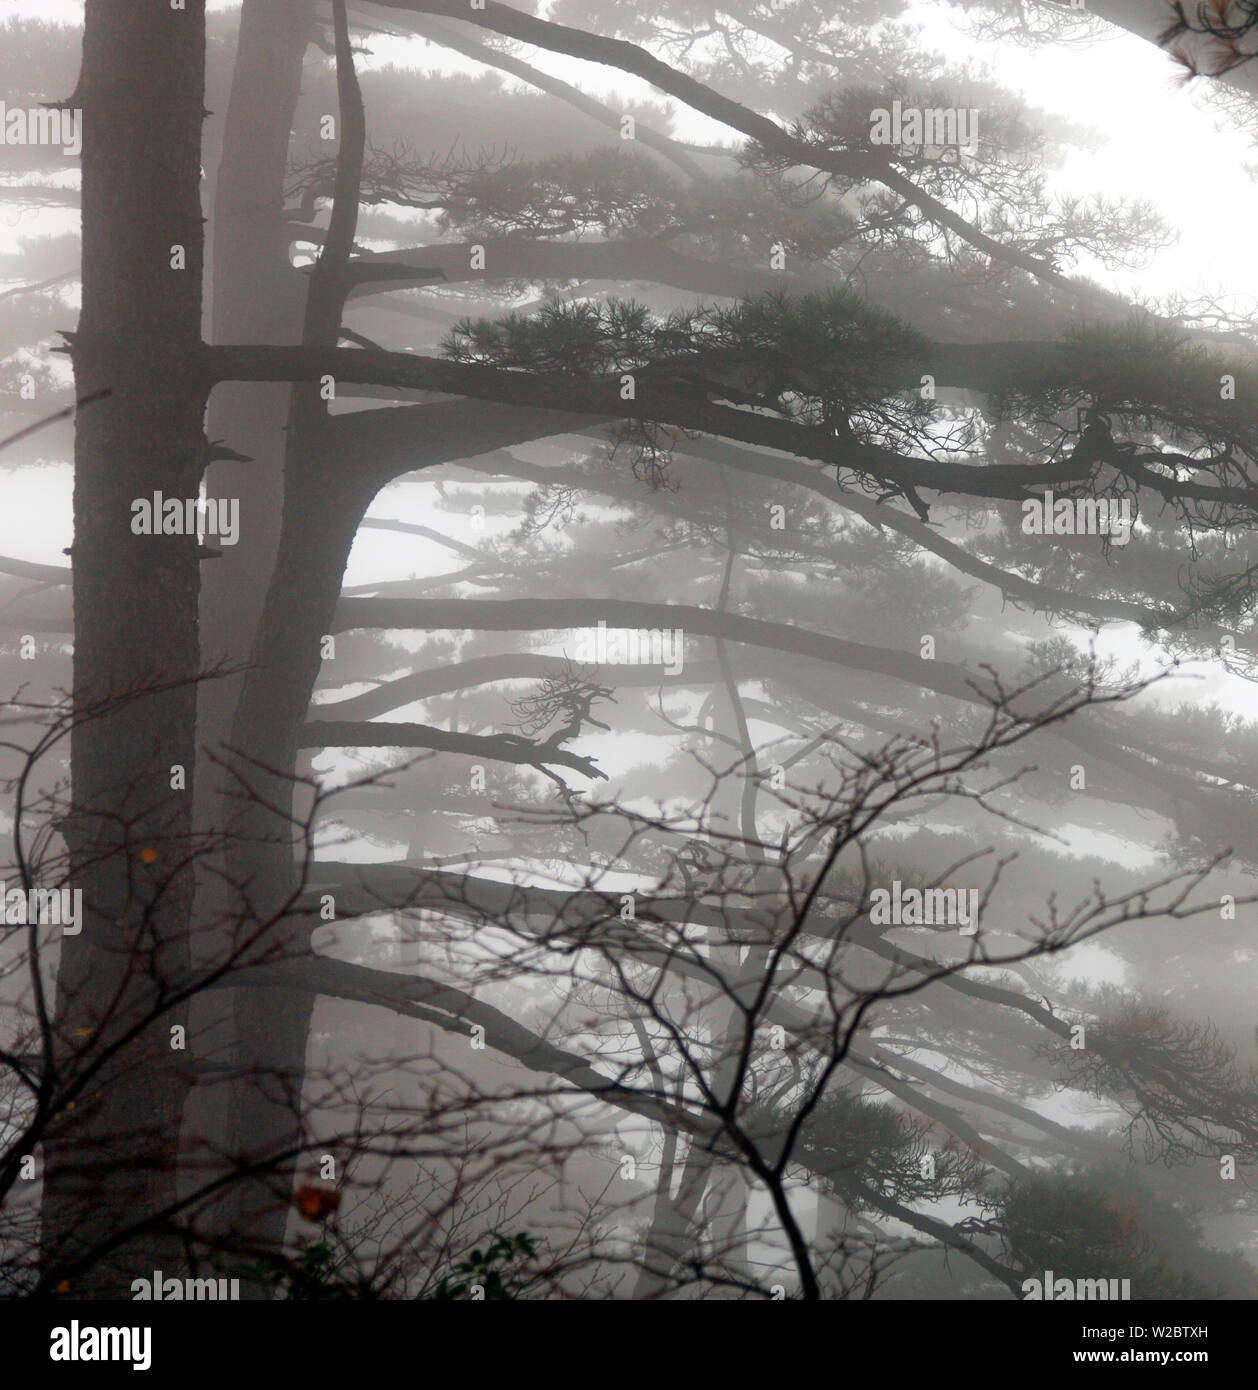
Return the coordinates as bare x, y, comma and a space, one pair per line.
113, 1158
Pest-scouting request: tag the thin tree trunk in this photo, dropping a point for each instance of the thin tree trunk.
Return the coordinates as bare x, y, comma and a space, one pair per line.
318, 525
256, 298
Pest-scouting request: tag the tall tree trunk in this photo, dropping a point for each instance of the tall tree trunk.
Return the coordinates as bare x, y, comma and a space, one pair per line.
110, 1164
256, 298
318, 524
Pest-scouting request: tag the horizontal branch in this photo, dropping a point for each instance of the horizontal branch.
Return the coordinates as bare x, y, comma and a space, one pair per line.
1105, 742
507, 748
512, 666
513, 258
28, 569
458, 1012
657, 398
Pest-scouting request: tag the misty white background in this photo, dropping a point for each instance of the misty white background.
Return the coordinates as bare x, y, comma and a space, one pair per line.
1158, 139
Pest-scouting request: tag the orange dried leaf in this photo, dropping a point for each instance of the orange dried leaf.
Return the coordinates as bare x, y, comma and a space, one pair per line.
314, 1203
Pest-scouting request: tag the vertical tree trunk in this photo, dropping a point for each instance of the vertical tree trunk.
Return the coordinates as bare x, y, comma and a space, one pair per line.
255, 298
318, 522
111, 1162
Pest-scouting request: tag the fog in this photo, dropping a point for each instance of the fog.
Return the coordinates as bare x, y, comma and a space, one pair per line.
640, 645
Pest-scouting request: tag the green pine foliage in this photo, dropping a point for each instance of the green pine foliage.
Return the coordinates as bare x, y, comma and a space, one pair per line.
1109, 1224
809, 355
